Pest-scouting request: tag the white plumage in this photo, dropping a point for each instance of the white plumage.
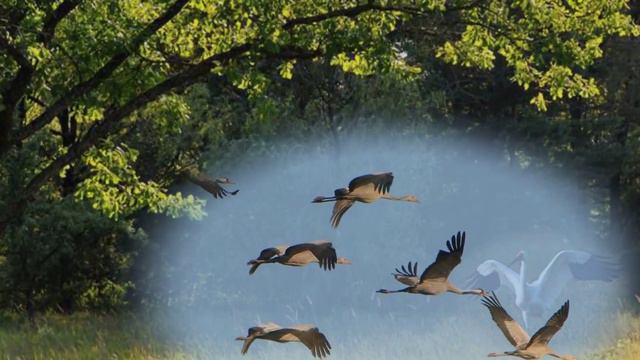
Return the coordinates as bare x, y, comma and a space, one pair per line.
537, 297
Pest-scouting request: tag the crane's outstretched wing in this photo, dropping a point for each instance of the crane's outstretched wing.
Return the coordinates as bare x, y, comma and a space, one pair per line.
339, 208
312, 338
324, 251
570, 265
248, 341
446, 260
489, 282
509, 327
544, 335
321, 250
491, 274
408, 276
595, 268
381, 182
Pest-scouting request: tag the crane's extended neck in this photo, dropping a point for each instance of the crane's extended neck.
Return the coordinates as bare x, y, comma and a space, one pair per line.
506, 353
525, 318
563, 357
410, 198
523, 275
452, 288
522, 283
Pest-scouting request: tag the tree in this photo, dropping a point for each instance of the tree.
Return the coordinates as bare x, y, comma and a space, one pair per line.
98, 106
89, 71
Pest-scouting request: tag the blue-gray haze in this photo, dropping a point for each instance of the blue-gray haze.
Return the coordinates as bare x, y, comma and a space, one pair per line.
462, 184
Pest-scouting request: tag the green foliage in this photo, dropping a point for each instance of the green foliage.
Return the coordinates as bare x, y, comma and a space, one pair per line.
67, 256
548, 44
116, 190
269, 70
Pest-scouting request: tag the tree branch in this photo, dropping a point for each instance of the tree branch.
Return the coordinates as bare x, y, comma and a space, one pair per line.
111, 122
189, 76
16, 54
113, 117
102, 74
370, 6
346, 12
52, 20
18, 86
14, 91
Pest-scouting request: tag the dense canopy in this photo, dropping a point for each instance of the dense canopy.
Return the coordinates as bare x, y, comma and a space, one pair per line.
104, 105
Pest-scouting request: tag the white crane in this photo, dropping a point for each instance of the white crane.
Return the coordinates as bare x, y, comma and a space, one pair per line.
537, 297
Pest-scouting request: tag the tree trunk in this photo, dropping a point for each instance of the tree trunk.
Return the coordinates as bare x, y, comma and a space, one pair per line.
30, 307
615, 204
617, 208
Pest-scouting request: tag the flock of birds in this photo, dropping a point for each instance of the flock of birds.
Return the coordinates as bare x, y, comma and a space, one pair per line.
532, 298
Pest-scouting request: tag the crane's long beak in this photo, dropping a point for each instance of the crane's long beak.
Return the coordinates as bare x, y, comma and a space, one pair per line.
241, 338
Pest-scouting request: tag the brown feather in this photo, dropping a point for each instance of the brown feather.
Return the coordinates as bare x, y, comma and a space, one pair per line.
555, 322
514, 333
446, 261
340, 207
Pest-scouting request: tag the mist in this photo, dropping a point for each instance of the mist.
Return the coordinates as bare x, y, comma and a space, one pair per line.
463, 184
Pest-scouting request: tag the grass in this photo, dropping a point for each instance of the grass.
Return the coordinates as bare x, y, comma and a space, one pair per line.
90, 336
625, 348
82, 336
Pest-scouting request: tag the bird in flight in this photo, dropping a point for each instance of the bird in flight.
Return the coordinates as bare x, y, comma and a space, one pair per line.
537, 297
526, 348
307, 334
435, 278
317, 251
211, 185
366, 189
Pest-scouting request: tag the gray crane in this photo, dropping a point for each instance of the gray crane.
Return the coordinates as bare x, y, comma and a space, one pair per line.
317, 251
532, 348
366, 189
435, 278
307, 334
